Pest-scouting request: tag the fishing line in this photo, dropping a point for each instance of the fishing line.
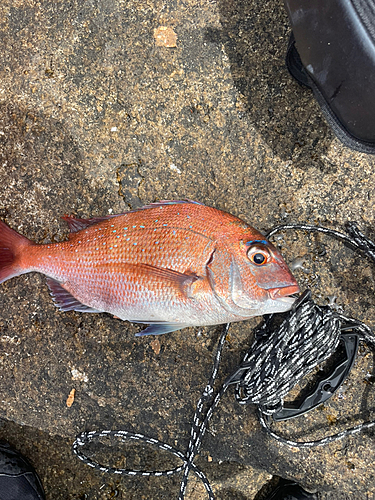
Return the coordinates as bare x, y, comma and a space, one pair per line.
355, 238
280, 356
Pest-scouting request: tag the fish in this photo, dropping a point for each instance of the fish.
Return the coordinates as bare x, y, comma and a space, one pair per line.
170, 265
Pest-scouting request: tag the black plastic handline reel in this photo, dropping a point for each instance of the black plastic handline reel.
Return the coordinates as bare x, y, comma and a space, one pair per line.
325, 385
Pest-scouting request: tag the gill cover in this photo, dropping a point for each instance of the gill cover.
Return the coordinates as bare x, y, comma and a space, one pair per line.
224, 276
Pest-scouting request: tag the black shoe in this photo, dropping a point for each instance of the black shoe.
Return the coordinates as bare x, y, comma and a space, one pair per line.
290, 490
18, 479
332, 50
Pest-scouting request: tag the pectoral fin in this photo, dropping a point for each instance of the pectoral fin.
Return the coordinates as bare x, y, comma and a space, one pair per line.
181, 283
181, 280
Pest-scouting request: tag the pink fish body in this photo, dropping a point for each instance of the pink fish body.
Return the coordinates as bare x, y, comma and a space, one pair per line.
170, 265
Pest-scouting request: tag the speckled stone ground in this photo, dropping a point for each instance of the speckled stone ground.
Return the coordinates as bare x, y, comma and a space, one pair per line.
96, 117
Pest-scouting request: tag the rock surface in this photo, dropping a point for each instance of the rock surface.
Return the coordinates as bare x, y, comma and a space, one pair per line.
96, 117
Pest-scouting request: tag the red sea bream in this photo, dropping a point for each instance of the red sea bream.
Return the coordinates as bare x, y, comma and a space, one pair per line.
170, 265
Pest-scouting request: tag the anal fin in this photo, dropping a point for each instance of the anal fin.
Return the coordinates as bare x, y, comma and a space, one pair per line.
64, 300
160, 329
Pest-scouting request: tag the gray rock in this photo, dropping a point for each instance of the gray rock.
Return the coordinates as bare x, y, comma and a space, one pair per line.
96, 119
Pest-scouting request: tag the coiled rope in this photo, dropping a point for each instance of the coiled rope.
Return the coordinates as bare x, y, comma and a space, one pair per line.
278, 359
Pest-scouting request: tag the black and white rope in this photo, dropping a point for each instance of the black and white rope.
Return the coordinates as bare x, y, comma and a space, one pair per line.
318, 442
278, 359
198, 430
315, 333
355, 238
86, 437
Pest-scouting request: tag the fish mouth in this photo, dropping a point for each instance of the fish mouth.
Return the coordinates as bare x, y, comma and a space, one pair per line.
286, 292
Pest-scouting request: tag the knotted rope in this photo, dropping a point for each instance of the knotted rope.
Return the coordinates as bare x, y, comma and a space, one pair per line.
279, 358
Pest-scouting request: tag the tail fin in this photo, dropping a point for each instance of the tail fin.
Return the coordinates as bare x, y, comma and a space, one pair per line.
11, 246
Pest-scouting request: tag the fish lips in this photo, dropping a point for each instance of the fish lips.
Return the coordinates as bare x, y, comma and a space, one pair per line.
285, 293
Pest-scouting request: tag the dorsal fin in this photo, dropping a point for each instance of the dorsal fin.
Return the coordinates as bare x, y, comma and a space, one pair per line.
75, 224
167, 202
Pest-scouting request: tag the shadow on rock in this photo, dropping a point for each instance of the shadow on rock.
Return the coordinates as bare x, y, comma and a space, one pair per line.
42, 171
284, 113
230, 493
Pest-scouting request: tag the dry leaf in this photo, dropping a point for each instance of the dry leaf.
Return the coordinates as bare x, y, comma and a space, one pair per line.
70, 399
165, 37
155, 344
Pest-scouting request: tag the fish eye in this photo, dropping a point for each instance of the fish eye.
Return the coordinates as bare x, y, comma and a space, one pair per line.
258, 258
258, 255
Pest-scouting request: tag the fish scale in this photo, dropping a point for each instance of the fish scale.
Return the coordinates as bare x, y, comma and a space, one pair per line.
170, 264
